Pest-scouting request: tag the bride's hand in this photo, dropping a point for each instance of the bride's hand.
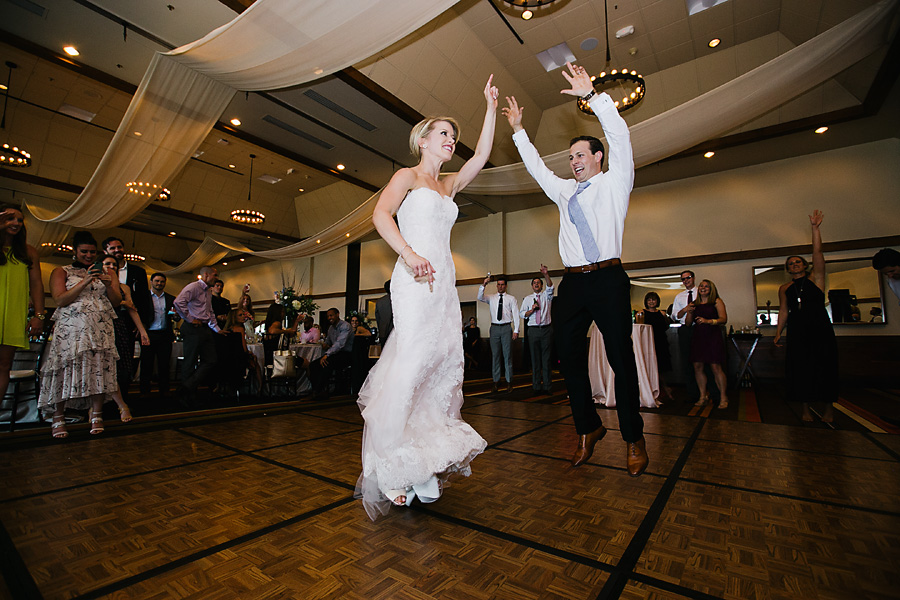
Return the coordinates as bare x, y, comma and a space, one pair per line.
421, 268
491, 93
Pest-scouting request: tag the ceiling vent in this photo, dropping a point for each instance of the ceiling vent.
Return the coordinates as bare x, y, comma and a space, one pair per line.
302, 134
555, 57
77, 113
337, 108
695, 6
269, 178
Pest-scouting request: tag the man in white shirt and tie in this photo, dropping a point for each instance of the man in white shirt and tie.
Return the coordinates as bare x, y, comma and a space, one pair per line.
595, 287
504, 312
682, 307
536, 312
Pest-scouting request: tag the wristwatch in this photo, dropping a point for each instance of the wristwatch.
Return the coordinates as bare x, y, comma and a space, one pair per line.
589, 95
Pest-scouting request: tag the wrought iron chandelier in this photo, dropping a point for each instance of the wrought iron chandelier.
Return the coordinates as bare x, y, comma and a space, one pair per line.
11, 156
246, 215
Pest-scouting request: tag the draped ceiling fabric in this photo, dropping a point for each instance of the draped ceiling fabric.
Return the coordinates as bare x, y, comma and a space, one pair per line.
731, 105
39, 233
332, 34
273, 44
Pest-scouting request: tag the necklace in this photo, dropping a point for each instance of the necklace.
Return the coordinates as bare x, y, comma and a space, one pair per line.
800, 292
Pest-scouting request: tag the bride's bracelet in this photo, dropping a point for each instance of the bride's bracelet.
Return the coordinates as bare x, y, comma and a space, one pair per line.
403, 249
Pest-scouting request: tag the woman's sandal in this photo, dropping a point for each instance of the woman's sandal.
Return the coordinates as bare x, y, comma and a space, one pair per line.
723, 403
58, 429
703, 401
96, 422
124, 414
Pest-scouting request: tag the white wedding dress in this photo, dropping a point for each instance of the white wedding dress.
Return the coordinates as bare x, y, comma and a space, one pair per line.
413, 435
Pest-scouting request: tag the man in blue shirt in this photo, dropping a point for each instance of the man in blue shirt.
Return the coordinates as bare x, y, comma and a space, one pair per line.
337, 354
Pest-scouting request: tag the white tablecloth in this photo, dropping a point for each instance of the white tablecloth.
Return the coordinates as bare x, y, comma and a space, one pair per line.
603, 387
257, 350
310, 352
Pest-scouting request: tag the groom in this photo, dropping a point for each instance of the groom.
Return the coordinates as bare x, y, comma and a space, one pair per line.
595, 287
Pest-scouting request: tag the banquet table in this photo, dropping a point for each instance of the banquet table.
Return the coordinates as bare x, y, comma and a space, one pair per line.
257, 350
603, 379
310, 352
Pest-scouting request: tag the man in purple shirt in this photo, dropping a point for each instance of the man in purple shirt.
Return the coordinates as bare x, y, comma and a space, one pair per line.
193, 305
337, 355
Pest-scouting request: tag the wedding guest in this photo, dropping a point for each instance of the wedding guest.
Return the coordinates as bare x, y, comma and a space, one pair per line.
536, 313
887, 262
194, 305
221, 306
811, 359
361, 339
472, 343
681, 307
79, 369
310, 333
504, 310
158, 324
20, 280
126, 323
337, 353
659, 321
130, 274
234, 356
708, 342
384, 315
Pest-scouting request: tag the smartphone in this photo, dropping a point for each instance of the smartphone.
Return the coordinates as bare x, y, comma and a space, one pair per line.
97, 267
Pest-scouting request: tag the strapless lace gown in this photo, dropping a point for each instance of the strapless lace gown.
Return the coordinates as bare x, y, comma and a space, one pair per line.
412, 397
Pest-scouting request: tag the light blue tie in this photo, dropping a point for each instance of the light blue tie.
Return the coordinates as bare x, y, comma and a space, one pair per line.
576, 215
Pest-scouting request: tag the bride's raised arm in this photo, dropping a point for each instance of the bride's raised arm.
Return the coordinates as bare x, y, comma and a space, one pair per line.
473, 166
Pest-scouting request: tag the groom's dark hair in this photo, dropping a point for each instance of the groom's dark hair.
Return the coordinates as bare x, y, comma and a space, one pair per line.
595, 144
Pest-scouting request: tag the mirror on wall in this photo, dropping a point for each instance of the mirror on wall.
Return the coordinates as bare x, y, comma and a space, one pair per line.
852, 290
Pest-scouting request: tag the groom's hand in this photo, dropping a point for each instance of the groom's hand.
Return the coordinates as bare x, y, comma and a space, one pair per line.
579, 79
513, 113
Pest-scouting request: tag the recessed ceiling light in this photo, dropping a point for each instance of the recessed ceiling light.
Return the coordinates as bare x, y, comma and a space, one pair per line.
318, 241
236, 122
709, 154
318, 71
341, 167
224, 264
172, 234
301, 190
231, 166
821, 129
242, 260
527, 14
714, 42
3, 86
138, 134
71, 50
348, 235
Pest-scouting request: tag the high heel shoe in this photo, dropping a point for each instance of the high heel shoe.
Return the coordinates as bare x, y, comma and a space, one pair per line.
58, 429
395, 496
96, 422
124, 414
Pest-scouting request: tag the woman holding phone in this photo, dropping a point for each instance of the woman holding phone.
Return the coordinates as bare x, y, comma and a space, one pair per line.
80, 366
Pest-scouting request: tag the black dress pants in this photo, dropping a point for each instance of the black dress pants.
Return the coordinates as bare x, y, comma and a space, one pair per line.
604, 297
199, 354
159, 352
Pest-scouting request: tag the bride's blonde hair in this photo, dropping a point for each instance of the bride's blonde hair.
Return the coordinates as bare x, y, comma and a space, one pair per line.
423, 128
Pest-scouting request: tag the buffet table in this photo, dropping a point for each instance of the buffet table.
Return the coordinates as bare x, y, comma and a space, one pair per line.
603, 379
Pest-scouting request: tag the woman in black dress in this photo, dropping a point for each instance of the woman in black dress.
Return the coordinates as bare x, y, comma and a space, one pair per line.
811, 365
471, 343
708, 341
660, 323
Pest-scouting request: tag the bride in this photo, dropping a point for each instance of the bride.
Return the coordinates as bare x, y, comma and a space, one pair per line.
414, 437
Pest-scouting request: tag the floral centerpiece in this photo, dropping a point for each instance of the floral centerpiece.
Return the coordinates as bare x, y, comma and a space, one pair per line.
294, 304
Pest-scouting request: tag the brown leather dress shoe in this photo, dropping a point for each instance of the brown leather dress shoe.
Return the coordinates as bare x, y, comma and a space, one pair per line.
495, 388
509, 387
636, 457
586, 446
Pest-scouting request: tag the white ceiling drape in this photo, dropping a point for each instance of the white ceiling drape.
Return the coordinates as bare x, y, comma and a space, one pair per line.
718, 111
273, 44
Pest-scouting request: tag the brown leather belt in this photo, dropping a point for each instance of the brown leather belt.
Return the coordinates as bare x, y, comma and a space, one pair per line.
594, 266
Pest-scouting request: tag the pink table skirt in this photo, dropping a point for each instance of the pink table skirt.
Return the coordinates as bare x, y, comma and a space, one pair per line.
603, 379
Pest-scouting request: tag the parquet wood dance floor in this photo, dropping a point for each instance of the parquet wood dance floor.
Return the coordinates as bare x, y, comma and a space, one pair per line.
259, 505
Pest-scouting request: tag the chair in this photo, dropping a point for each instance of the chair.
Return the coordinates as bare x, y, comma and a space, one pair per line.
26, 367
